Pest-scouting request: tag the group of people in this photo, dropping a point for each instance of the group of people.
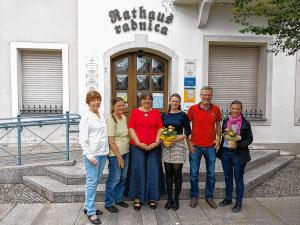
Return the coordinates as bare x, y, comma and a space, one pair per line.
135, 153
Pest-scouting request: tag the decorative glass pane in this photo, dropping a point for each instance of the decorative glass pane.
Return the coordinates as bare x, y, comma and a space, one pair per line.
121, 82
143, 64
138, 94
157, 82
157, 66
123, 95
121, 66
158, 100
142, 82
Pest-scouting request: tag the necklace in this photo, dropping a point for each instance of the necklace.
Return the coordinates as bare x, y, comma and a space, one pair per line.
146, 112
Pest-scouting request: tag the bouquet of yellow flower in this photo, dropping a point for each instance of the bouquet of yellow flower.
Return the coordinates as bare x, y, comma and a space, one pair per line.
231, 135
167, 135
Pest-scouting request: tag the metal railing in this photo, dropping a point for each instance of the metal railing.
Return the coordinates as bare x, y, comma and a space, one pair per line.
41, 109
249, 114
21, 123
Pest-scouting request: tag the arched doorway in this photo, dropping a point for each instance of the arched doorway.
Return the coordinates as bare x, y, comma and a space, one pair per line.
133, 73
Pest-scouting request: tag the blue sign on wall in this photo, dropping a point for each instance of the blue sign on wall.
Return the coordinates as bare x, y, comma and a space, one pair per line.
189, 81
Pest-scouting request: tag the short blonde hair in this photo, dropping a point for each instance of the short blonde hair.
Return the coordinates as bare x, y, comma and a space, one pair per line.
207, 88
91, 95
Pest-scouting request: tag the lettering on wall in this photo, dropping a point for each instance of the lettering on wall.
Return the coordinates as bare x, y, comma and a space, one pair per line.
140, 19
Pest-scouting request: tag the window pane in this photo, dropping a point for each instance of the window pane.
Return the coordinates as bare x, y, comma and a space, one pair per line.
121, 66
142, 82
157, 66
121, 82
158, 100
143, 64
157, 82
124, 96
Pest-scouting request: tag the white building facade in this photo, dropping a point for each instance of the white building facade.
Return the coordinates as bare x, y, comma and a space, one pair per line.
52, 53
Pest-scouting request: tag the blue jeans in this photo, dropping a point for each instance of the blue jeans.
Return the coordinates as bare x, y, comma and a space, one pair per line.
232, 167
93, 175
115, 184
209, 154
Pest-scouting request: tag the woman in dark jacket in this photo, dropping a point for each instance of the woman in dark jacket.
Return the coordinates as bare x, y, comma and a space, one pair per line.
234, 153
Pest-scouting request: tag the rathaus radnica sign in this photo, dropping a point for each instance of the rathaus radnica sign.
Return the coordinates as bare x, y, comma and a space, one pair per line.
140, 19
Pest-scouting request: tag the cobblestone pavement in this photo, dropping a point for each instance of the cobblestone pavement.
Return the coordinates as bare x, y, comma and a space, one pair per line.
19, 193
285, 182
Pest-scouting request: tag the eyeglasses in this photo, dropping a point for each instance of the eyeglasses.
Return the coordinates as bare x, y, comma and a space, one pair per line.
146, 99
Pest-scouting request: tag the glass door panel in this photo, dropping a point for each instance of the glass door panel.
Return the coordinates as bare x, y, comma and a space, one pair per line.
131, 75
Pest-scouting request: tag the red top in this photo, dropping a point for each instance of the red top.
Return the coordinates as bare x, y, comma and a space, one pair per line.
203, 124
145, 124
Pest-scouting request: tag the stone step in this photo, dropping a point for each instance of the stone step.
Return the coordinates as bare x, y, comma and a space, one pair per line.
76, 174
56, 191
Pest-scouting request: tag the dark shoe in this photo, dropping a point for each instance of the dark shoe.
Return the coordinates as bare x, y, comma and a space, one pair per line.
175, 205
98, 212
137, 205
112, 209
95, 221
237, 208
193, 202
169, 204
211, 203
152, 205
122, 204
225, 202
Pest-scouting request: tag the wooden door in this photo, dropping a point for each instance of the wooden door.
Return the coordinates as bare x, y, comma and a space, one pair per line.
131, 75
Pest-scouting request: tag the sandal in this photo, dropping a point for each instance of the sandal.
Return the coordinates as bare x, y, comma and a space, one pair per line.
95, 221
137, 205
152, 204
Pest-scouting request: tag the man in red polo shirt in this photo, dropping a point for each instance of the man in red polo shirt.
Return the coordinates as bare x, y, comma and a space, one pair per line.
205, 140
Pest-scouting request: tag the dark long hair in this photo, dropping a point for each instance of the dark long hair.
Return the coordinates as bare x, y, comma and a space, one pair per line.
177, 96
113, 102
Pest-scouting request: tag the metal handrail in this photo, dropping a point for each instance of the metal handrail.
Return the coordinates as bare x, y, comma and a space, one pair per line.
21, 122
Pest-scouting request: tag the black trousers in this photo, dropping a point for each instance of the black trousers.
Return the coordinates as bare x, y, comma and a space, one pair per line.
173, 176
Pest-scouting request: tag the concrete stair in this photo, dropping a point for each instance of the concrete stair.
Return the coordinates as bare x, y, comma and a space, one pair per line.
66, 183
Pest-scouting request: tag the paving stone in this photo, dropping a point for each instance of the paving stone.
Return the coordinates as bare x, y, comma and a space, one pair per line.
165, 217
191, 216
224, 215
5, 209
148, 216
258, 213
128, 216
107, 218
286, 208
59, 213
23, 214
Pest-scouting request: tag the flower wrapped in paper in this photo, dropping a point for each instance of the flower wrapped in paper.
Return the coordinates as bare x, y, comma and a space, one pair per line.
231, 135
168, 134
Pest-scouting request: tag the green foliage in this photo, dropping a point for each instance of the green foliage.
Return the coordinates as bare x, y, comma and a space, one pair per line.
283, 21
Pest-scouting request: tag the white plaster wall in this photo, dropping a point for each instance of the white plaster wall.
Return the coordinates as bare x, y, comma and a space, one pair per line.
96, 35
282, 127
41, 21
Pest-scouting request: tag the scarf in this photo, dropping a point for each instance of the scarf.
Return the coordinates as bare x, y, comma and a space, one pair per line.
235, 123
